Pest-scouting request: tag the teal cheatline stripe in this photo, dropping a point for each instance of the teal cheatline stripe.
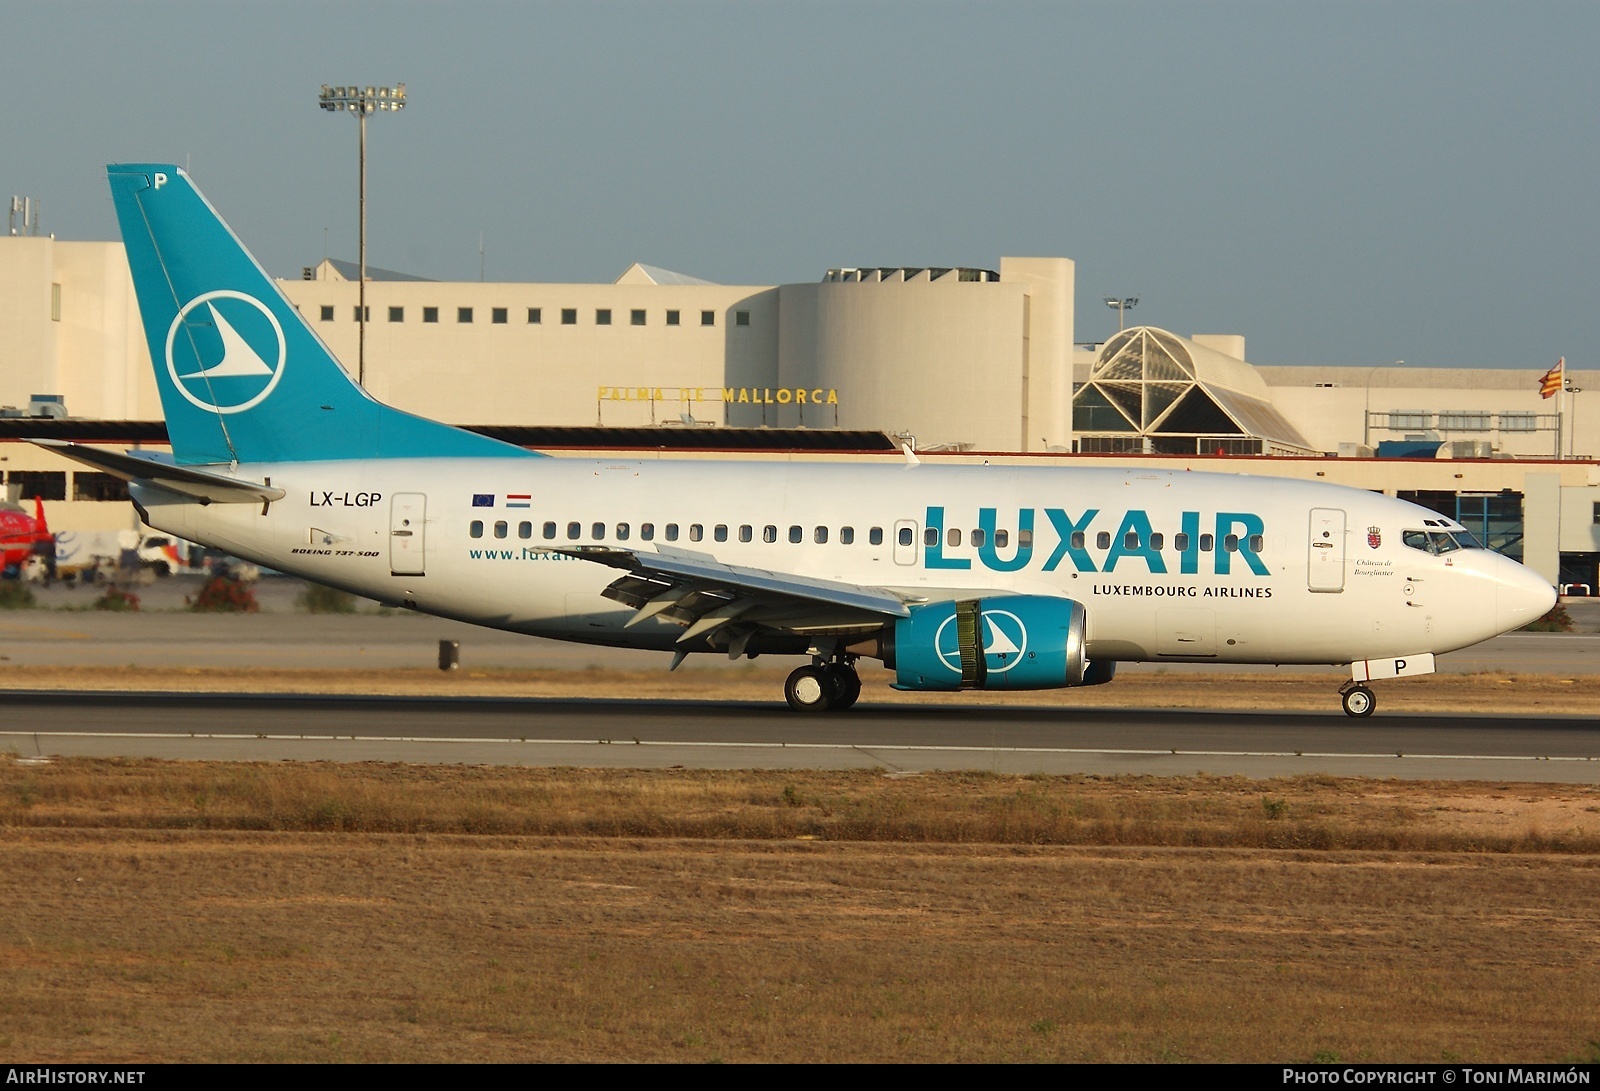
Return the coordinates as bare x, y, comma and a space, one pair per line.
242, 377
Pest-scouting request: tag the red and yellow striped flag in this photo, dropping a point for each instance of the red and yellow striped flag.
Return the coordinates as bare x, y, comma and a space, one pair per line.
1552, 381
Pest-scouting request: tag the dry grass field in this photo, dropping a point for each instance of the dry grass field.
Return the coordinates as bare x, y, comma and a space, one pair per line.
155, 911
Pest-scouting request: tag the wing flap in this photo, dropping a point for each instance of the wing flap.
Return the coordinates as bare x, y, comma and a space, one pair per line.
724, 604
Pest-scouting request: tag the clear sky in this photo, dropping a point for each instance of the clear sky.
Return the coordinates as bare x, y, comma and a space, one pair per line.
1348, 183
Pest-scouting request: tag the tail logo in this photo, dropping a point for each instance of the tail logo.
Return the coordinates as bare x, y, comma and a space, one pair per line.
226, 340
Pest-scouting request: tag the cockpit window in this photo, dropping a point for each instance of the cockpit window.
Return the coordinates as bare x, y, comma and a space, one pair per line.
1439, 542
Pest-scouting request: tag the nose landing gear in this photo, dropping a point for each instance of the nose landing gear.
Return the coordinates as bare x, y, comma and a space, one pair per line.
823, 687
1357, 699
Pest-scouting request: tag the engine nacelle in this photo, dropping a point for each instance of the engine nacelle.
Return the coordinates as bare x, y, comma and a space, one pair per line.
1006, 642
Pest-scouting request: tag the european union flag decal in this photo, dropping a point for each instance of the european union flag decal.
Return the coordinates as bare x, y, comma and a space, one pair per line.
483, 499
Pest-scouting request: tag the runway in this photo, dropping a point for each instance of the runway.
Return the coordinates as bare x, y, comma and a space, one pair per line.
896, 738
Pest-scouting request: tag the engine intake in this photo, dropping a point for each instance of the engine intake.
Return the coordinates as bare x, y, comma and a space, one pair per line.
1006, 642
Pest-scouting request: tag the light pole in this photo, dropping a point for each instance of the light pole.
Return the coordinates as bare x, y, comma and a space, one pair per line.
1366, 412
1121, 307
1572, 444
362, 101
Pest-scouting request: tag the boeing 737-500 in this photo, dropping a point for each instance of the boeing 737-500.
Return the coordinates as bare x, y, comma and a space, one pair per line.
956, 577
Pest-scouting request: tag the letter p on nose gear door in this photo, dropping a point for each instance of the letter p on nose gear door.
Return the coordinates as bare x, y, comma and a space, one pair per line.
407, 534
1325, 553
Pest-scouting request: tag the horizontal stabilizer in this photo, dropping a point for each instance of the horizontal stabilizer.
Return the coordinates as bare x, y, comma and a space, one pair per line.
213, 488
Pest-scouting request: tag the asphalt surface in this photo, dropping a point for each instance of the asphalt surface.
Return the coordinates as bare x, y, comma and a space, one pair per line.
747, 735
164, 634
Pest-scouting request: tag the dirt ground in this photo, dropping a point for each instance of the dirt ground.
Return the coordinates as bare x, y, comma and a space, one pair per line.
176, 911
1480, 693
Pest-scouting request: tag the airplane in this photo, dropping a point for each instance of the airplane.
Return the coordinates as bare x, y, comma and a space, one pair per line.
955, 577
21, 536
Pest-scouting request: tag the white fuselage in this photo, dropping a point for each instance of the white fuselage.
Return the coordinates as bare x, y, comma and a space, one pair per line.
1169, 566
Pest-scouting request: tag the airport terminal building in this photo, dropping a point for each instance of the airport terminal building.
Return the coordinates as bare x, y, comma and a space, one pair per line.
962, 363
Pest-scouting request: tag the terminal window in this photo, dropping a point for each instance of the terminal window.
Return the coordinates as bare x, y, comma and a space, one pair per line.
93, 486
708, 318
498, 316
430, 314
569, 316
327, 314
602, 317
355, 314
672, 318
397, 314
463, 314
741, 318
637, 317
43, 484
535, 315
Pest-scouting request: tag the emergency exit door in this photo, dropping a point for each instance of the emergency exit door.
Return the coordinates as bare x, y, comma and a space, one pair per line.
1325, 554
407, 538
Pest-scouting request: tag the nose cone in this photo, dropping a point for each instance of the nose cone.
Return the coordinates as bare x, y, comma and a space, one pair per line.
1521, 595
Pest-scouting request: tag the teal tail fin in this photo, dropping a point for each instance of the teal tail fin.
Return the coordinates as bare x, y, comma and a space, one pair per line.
242, 377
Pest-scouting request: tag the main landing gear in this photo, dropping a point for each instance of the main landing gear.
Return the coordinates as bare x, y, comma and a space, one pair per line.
823, 687
1357, 700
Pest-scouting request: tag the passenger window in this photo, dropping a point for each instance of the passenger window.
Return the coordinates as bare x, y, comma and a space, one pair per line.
847, 535
930, 536
796, 534
524, 530
696, 532
1157, 541
746, 533
1206, 541
1180, 542
721, 532
1102, 540
1024, 539
549, 531
978, 537
1077, 539
1231, 543
820, 535
1002, 538
647, 531
599, 530
574, 531
769, 533
622, 532
1257, 543
501, 529
1130, 540
672, 532
875, 536
904, 537
953, 537
476, 529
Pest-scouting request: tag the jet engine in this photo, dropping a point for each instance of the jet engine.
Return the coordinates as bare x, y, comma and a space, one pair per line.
1006, 642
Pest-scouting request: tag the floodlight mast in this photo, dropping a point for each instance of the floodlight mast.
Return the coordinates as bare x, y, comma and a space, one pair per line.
362, 101
1121, 305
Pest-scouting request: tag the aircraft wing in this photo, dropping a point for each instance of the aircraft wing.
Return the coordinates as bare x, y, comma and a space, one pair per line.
213, 488
726, 604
